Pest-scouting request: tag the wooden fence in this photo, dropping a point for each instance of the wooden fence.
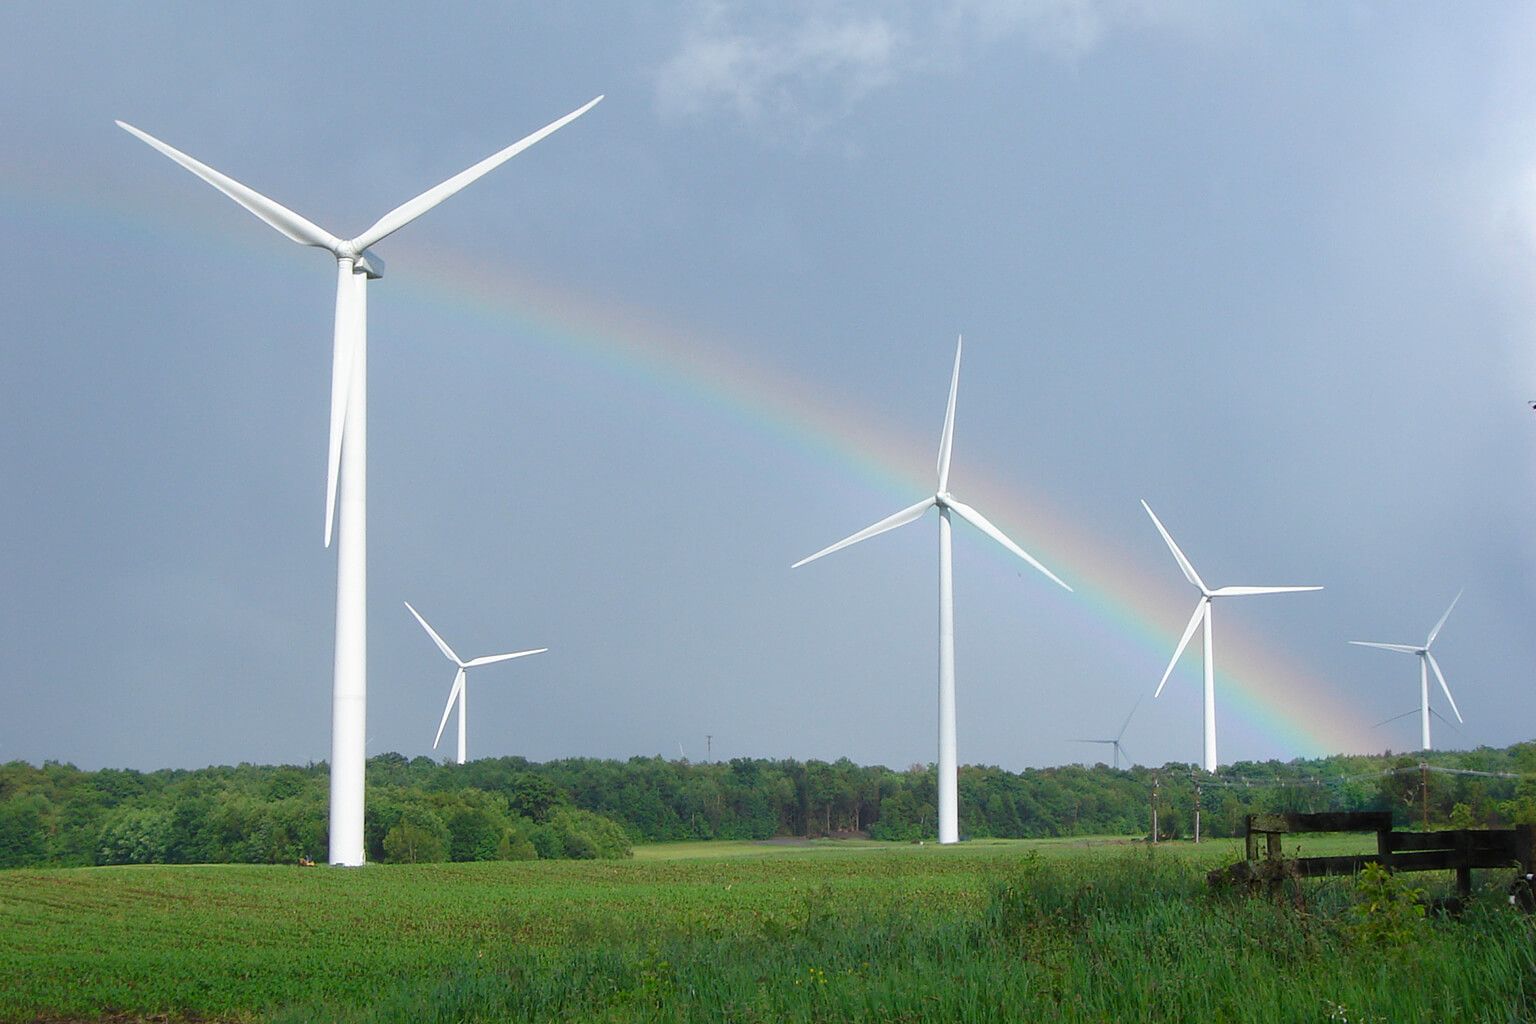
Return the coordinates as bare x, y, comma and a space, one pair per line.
1459, 849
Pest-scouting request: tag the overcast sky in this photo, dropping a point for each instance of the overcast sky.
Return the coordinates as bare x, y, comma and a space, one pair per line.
1269, 267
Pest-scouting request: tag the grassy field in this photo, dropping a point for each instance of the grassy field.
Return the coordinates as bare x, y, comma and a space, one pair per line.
1067, 930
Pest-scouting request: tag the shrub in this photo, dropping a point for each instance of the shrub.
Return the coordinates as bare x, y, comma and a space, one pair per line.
135, 836
515, 845
476, 834
419, 837
581, 835
1390, 914
22, 839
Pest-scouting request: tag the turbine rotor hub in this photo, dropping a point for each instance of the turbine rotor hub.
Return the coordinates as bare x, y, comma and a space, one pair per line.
363, 260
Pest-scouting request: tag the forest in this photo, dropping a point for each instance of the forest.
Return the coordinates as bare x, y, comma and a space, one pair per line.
510, 808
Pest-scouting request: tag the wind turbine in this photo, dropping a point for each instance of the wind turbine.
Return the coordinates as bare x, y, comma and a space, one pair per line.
1203, 615
1118, 749
1426, 662
949, 796
460, 691
356, 264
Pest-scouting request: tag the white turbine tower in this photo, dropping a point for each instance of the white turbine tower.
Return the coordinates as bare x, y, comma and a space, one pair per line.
949, 797
1203, 615
1426, 662
460, 691
355, 265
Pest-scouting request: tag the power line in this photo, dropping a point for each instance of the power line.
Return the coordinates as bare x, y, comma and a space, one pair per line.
1314, 781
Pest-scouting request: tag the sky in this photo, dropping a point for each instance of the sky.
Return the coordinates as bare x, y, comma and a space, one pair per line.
1268, 267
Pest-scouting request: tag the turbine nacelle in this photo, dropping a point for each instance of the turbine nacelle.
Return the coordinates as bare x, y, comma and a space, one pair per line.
370, 263
365, 260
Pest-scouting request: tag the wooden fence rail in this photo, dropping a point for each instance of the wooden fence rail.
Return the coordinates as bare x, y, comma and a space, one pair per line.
1458, 850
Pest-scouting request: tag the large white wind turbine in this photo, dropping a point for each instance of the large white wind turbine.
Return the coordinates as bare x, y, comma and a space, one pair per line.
1426, 662
346, 464
460, 691
949, 796
1203, 615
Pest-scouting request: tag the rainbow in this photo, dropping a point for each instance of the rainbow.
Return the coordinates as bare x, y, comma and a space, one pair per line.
1299, 711
1265, 690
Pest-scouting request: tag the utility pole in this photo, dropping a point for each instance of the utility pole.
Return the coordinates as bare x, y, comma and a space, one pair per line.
1195, 779
709, 746
1424, 790
1155, 783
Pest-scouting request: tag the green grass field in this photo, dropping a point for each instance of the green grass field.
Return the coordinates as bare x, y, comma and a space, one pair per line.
1067, 930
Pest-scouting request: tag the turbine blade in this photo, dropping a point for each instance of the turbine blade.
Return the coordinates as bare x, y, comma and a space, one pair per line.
1440, 676
1394, 718
1184, 564
1403, 648
441, 644
491, 659
1250, 591
1436, 631
1189, 631
278, 216
981, 523
901, 518
1127, 755
458, 687
403, 214
947, 438
343, 348
1093, 741
1127, 723
1448, 723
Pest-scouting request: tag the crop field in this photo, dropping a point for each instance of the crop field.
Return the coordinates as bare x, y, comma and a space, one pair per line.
783, 931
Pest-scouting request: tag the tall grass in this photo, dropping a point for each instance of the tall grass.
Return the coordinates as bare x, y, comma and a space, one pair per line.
1133, 937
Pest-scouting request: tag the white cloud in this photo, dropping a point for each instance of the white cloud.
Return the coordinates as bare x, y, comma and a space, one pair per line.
1064, 29
811, 62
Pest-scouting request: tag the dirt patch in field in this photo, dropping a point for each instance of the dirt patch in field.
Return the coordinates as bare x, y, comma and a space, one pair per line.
810, 840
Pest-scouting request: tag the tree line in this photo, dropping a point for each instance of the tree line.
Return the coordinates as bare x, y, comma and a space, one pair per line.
510, 808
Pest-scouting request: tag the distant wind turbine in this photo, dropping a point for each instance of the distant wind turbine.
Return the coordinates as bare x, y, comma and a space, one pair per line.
949, 796
1426, 662
460, 691
346, 467
1203, 615
1118, 748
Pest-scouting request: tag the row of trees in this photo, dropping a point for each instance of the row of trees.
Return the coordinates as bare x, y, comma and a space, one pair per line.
60, 815
510, 808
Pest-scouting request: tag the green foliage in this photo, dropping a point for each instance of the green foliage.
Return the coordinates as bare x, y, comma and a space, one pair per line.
56, 814
1520, 811
1390, 912
532, 796
22, 839
580, 835
135, 836
418, 837
515, 845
